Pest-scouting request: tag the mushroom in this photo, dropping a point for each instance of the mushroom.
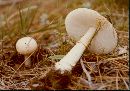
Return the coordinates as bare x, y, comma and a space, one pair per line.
26, 46
92, 31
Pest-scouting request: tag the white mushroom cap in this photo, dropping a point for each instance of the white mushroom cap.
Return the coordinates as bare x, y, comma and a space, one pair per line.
26, 45
80, 20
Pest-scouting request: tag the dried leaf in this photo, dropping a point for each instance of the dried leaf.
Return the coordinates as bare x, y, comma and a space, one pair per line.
56, 57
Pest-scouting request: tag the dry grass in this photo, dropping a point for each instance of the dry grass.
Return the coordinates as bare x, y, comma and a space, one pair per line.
99, 72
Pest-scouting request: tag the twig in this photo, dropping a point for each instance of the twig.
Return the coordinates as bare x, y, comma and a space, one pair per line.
124, 81
99, 72
118, 63
111, 77
111, 70
117, 81
117, 58
103, 86
87, 73
83, 81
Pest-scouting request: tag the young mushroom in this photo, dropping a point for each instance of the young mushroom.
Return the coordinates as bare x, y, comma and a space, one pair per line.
92, 31
26, 46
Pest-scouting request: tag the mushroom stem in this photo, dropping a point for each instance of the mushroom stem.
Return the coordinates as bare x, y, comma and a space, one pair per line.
76, 52
27, 62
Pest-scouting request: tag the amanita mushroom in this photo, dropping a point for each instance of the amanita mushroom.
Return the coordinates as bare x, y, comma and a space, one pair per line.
91, 30
26, 46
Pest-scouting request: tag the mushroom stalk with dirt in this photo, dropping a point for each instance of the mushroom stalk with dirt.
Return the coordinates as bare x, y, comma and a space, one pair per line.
99, 36
92, 31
